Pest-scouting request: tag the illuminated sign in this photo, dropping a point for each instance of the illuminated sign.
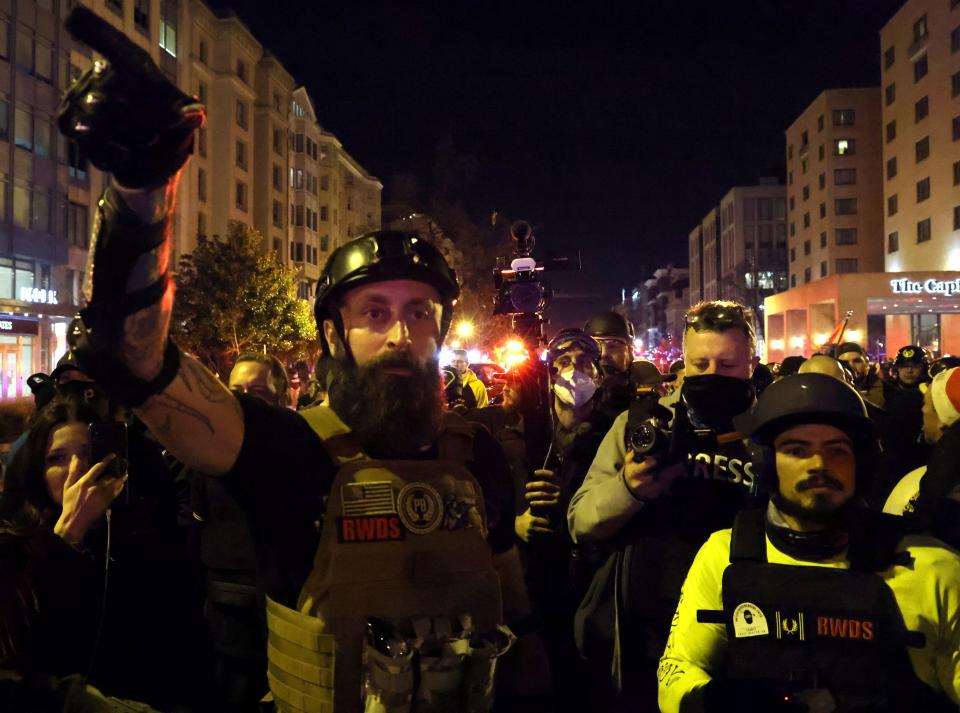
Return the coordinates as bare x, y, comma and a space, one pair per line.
34, 294
933, 286
18, 326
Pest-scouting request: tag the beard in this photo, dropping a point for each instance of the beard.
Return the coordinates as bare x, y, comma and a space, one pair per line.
822, 511
391, 415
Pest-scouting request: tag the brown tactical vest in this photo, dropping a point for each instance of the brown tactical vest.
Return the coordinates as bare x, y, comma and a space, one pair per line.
401, 540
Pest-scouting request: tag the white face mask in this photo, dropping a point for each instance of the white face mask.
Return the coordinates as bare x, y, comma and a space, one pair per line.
573, 387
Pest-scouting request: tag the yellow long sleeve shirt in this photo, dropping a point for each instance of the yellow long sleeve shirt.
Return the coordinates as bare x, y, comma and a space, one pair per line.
927, 592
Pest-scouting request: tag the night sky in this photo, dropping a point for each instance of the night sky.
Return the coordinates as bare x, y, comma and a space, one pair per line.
613, 127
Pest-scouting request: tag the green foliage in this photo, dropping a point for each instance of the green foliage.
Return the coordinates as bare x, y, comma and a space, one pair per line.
232, 297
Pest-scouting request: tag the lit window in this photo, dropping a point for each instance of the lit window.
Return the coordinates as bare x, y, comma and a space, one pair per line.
168, 37
844, 147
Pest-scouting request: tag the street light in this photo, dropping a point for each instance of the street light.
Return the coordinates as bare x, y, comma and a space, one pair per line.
464, 329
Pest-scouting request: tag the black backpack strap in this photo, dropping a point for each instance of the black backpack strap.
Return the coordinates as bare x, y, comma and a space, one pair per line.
748, 541
874, 537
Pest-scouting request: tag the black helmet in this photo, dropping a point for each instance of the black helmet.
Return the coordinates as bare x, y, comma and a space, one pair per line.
567, 339
610, 325
912, 354
805, 398
947, 361
379, 256
808, 398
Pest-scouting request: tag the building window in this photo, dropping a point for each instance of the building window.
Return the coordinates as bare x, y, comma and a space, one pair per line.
792, 203
845, 236
277, 177
845, 206
298, 143
955, 84
890, 94
803, 165
141, 15
201, 185
922, 148
241, 114
922, 108
202, 92
790, 178
806, 274
78, 230
806, 247
820, 123
298, 215
278, 141
201, 228
891, 131
846, 265
43, 60
955, 39
823, 269
116, 6
278, 214
956, 217
822, 181
168, 36
920, 69
844, 176
41, 136
298, 111
242, 155
923, 189
844, 147
956, 173
793, 228
823, 240
920, 29
844, 117
22, 129
242, 70
893, 242
891, 167
241, 195
806, 220
202, 51
202, 142
888, 57
892, 205
806, 192
76, 161
793, 254
793, 280
923, 230
956, 128
323, 213
823, 210
324, 242
820, 152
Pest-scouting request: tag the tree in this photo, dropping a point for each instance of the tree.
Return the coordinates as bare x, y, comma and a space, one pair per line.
232, 298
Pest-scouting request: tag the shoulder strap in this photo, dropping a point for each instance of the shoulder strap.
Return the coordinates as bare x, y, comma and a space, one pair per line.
334, 433
748, 541
455, 442
874, 538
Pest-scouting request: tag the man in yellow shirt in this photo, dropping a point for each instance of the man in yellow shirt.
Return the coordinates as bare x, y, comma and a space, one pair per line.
816, 604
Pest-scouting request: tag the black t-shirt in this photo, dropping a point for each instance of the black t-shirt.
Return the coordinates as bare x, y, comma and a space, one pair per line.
283, 474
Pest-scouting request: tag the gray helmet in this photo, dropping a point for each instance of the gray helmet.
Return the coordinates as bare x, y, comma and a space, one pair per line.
610, 325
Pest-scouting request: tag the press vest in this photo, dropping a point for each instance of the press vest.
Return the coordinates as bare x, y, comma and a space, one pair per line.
819, 627
403, 541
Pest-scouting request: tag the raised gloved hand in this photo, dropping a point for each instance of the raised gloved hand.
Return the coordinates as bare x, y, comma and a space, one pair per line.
124, 113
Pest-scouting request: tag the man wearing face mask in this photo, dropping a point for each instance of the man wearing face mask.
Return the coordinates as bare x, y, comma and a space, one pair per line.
615, 335
667, 502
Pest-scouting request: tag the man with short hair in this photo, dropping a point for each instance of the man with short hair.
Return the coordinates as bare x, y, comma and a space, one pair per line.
260, 375
867, 381
815, 604
474, 392
614, 333
668, 501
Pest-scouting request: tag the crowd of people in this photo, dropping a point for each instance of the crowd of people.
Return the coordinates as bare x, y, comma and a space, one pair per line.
727, 536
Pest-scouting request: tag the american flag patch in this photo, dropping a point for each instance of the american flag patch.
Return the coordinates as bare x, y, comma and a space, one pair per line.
368, 499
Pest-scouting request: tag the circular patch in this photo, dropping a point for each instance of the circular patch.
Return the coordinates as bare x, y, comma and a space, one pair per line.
420, 508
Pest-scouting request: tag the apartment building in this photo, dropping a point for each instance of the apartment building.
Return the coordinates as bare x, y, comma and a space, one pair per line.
920, 70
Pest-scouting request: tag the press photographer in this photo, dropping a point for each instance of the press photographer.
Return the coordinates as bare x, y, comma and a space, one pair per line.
656, 509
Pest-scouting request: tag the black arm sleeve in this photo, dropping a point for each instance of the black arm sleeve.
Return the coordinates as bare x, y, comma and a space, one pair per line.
492, 471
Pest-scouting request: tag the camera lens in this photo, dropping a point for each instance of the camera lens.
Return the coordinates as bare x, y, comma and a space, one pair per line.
526, 296
644, 438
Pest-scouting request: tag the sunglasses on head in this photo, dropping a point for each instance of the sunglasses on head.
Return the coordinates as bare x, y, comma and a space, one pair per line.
710, 317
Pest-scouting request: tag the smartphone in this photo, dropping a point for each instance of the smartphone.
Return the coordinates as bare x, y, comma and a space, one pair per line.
108, 437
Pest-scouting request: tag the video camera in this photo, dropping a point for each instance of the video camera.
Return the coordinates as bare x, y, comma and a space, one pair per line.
650, 433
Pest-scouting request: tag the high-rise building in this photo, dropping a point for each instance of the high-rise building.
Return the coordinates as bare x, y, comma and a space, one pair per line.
739, 250
920, 70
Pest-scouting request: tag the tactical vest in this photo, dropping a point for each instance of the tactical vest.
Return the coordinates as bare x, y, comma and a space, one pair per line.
803, 627
403, 541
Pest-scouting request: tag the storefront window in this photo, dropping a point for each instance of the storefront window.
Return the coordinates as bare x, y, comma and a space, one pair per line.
23, 276
926, 331
6, 279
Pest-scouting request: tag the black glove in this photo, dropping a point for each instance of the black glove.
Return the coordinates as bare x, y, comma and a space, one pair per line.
124, 113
